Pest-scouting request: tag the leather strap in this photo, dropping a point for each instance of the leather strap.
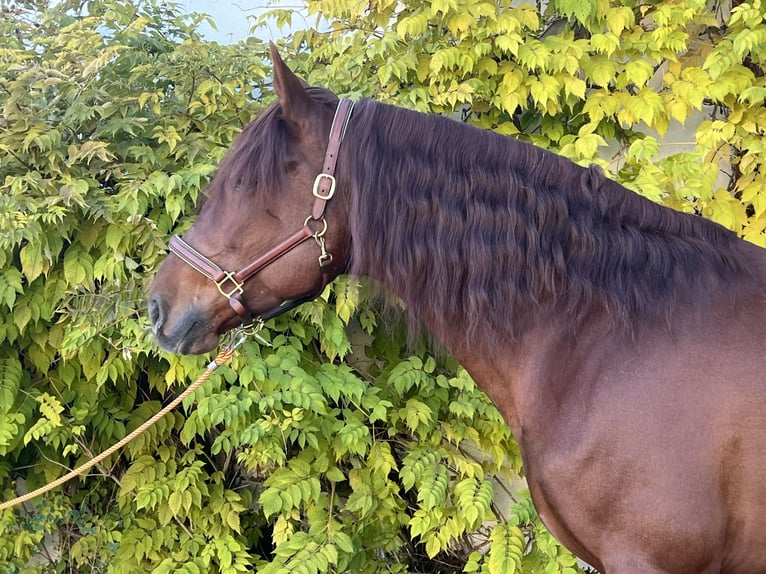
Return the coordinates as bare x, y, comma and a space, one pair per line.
274, 253
195, 259
324, 184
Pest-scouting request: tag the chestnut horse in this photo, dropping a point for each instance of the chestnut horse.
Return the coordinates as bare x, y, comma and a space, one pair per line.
623, 342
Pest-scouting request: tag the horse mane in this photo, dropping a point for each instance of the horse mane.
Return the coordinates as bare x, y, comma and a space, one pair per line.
485, 230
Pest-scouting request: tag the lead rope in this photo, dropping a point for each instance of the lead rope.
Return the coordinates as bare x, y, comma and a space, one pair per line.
239, 337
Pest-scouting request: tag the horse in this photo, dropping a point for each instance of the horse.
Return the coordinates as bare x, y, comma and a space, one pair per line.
622, 341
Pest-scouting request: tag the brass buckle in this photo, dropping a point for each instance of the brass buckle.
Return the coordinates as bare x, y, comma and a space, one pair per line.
238, 287
318, 182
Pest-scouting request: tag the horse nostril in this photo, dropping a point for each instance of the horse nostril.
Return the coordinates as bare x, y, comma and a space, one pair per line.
156, 314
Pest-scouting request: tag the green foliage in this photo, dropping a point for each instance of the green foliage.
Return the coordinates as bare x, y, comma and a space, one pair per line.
337, 448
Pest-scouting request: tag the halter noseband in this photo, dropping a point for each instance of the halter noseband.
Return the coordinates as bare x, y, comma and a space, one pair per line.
231, 284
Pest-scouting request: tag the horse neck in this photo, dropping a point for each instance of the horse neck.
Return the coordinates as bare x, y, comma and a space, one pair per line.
432, 228
484, 237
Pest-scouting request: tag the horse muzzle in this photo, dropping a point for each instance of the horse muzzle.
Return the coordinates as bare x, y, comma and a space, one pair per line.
192, 333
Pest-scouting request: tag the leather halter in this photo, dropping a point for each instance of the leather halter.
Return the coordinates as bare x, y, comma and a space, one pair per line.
231, 283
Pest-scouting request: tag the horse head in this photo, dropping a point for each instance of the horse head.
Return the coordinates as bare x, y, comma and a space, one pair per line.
272, 231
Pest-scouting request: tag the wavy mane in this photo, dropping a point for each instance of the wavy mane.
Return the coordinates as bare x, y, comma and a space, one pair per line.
484, 229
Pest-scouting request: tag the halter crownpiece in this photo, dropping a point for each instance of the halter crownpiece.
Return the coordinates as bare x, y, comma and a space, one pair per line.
231, 284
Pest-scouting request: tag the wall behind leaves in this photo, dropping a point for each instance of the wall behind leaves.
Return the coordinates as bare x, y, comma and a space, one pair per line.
340, 448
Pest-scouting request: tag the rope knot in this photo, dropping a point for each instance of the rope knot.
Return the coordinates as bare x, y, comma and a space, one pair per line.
224, 356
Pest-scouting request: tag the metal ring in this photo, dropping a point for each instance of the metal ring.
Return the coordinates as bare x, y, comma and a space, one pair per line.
322, 231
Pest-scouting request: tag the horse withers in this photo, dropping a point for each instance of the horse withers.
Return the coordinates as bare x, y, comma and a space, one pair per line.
623, 342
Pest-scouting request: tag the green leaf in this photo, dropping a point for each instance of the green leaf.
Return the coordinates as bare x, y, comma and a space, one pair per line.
639, 72
747, 40
334, 474
600, 69
582, 10
507, 549
644, 149
587, 145
343, 541
175, 502
22, 315
606, 44
619, 19
413, 25
31, 261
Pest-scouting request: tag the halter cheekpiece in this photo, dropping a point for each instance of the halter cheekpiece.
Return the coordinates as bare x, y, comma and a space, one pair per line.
231, 284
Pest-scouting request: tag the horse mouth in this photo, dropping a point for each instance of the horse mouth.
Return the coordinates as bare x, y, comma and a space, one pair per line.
194, 338
185, 345
193, 333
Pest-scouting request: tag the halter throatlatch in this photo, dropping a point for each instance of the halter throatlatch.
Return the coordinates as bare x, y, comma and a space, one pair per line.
231, 284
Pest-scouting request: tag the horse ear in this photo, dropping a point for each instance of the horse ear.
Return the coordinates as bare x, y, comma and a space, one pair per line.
290, 89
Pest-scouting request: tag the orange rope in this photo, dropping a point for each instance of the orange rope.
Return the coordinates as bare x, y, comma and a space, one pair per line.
224, 356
